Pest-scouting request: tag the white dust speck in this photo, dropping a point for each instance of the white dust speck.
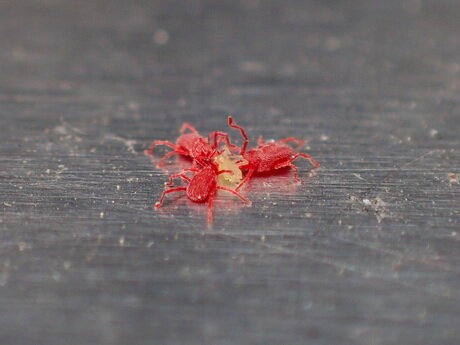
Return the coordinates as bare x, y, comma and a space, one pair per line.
118, 187
433, 133
324, 137
353, 198
150, 244
358, 176
23, 246
101, 215
367, 202
262, 238
121, 241
161, 37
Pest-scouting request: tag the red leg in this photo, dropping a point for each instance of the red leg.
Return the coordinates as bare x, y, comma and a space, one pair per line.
246, 179
159, 203
242, 198
156, 143
296, 172
298, 142
174, 176
243, 134
307, 157
187, 126
211, 209
224, 137
165, 157
260, 140
169, 154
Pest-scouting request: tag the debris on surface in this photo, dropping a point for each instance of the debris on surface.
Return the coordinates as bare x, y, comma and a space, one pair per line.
161, 37
378, 206
375, 205
453, 178
434, 133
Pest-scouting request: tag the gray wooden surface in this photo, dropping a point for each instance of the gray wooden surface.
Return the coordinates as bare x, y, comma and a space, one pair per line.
365, 251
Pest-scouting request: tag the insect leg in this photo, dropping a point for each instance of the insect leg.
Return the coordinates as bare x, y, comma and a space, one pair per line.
242, 198
172, 153
297, 141
243, 134
307, 157
165, 157
156, 143
296, 172
159, 203
174, 176
246, 179
260, 140
222, 136
187, 126
210, 209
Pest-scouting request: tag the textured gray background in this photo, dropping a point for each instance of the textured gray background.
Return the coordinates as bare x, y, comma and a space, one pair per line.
365, 251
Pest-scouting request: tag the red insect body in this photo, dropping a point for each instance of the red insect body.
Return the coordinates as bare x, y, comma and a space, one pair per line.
191, 144
201, 187
269, 156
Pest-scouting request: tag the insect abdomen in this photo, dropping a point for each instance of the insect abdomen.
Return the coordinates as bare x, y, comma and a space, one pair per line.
201, 185
273, 156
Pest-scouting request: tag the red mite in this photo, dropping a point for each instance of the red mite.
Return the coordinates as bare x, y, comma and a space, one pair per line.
201, 187
270, 156
191, 144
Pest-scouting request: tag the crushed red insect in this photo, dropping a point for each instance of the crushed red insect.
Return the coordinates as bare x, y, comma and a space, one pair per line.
218, 164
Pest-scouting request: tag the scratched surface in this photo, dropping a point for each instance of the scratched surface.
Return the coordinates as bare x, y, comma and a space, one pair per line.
365, 251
